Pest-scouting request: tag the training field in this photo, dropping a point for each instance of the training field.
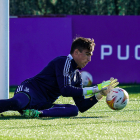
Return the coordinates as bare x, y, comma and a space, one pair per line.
98, 123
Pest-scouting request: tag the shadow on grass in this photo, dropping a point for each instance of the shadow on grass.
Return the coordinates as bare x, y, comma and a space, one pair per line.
83, 117
131, 89
2, 117
47, 118
12, 117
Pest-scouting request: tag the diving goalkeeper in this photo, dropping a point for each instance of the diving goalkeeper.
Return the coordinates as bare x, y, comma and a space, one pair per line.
35, 96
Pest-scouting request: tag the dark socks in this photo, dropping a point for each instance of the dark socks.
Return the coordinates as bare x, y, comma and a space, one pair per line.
60, 110
18, 102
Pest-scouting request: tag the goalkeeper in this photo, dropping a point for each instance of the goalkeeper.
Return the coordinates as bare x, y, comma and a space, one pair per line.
35, 96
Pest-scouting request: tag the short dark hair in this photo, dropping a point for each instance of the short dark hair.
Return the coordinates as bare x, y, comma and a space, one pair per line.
81, 44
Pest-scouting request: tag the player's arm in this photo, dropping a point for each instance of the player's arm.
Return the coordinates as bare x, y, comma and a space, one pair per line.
67, 90
85, 104
64, 81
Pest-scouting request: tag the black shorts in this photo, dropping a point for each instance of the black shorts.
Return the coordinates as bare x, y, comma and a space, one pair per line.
37, 100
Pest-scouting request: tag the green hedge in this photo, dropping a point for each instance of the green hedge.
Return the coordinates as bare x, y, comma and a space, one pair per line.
74, 7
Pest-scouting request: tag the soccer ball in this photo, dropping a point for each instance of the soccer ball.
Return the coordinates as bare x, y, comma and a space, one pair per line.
87, 78
117, 98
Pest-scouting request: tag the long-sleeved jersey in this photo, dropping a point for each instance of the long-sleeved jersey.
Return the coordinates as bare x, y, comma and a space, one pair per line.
61, 77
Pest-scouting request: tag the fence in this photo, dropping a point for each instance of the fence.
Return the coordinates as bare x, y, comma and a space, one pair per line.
74, 7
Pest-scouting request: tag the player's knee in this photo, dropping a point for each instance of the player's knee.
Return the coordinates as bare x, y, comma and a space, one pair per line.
20, 100
74, 110
18, 103
15, 104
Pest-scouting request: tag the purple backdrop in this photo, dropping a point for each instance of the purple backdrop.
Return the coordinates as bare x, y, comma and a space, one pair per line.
113, 31
35, 41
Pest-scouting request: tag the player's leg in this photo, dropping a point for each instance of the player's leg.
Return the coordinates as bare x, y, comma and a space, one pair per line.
18, 102
60, 110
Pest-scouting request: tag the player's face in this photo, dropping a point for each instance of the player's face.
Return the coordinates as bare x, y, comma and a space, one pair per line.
83, 58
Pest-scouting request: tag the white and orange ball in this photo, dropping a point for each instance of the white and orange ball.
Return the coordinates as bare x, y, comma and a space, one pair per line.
117, 98
87, 78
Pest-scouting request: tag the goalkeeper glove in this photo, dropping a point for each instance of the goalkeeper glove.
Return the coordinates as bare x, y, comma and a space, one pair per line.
100, 87
112, 84
102, 93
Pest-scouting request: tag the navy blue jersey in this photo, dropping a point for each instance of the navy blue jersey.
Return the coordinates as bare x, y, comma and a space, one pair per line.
59, 77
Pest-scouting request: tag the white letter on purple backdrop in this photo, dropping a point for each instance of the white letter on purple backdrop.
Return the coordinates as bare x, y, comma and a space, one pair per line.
105, 53
136, 52
119, 53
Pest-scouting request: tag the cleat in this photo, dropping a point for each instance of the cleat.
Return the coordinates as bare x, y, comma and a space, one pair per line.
31, 113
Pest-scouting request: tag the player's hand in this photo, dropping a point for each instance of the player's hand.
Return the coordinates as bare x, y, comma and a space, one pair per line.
104, 84
113, 83
103, 88
104, 92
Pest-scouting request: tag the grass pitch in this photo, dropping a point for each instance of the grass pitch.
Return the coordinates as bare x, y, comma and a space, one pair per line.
98, 123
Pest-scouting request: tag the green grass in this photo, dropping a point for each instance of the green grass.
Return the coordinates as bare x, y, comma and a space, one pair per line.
98, 123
